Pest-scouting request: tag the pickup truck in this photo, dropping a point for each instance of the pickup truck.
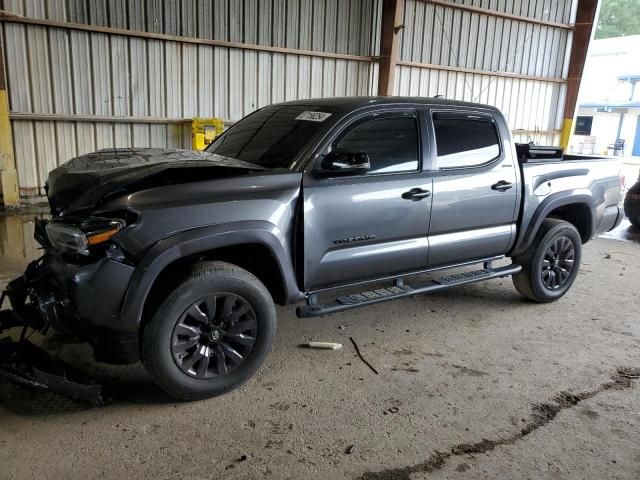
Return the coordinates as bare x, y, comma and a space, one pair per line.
177, 257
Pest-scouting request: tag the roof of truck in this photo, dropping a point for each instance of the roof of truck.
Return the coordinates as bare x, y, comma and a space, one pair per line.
352, 103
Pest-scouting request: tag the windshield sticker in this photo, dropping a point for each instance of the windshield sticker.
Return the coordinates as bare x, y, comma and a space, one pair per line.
313, 116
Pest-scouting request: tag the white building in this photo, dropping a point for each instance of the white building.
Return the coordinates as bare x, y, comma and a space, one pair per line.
609, 101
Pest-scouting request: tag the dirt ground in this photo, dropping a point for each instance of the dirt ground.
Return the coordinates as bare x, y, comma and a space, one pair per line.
473, 383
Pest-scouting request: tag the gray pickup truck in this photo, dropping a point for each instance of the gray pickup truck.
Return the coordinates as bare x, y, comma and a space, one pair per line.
177, 258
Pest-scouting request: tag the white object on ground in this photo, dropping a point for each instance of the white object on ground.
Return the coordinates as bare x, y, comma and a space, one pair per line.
325, 345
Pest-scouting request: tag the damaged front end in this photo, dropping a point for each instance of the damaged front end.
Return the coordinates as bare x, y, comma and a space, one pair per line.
32, 299
35, 306
92, 247
76, 283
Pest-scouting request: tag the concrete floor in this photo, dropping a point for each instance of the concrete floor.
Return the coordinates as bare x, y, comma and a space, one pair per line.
473, 383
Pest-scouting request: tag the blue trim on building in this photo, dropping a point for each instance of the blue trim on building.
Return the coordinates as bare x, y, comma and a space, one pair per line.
611, 105
629, 78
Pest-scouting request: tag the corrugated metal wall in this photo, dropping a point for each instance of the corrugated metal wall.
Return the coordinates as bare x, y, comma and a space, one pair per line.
58, 70
445, 36
61, 71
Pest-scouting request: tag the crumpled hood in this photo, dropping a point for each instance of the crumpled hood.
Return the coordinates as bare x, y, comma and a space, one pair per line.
89, 180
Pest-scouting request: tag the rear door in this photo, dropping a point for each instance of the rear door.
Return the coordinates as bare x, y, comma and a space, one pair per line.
475, 188
359, 226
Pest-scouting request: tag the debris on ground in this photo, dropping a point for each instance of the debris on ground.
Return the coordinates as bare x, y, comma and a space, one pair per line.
349, 450
355, 345
323, 345
25, 364
607, 256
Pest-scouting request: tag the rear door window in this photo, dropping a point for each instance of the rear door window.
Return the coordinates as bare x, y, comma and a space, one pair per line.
465, 141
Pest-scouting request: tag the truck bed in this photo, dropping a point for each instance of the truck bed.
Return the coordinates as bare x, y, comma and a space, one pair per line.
535, 154
547, 174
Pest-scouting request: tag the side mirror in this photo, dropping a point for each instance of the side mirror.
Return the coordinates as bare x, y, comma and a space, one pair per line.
345, 162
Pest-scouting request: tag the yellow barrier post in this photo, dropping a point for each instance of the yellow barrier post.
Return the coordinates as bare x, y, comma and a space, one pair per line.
204, 131
8, 173
565, 133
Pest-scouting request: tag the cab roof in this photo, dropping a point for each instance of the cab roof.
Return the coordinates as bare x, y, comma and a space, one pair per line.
353, 103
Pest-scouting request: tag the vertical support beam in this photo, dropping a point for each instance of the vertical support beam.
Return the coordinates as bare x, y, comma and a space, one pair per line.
586, 14
391, 24
8, 173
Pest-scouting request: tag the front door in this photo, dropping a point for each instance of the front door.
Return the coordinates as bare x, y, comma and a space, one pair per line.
475, 189
368, 224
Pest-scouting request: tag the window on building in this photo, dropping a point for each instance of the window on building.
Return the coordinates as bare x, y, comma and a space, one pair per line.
583, 125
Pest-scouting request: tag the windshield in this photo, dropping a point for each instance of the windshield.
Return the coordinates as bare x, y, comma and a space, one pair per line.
273, 136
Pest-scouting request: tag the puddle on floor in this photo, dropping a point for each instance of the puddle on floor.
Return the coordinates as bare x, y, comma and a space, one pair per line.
625, 232
17, 245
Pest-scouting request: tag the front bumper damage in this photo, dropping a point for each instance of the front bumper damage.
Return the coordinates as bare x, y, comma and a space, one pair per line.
35, 306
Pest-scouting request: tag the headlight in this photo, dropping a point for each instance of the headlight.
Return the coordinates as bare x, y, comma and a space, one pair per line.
77, 235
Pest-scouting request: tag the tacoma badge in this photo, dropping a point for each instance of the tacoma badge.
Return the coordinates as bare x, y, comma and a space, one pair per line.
361, 238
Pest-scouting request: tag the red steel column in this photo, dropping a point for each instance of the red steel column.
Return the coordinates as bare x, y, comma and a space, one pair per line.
391, 19
585, 18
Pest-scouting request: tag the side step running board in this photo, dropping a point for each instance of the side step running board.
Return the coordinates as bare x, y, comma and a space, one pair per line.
384, 294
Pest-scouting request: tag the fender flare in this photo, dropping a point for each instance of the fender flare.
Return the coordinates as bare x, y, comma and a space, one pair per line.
559, 199
198, 240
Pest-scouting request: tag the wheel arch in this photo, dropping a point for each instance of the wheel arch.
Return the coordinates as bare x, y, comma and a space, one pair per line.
577, 209
240, 244
577, 214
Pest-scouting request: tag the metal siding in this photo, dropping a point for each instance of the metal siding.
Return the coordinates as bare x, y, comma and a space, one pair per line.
139, 91
38, 59
220, 62
277, 78
447, 36
98, 59
54, 70
527, 104
553, 10
440, 35
155, 66
61, 75
206, 86
190, 74
304, 78
66, 141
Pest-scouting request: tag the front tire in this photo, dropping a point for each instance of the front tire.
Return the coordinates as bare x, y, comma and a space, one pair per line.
551, 265
211, 333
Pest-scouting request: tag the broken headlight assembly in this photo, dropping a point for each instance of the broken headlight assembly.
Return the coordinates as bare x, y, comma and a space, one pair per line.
77, 236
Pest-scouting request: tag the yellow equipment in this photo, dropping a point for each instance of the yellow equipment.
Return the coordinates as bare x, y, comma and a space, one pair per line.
204, 131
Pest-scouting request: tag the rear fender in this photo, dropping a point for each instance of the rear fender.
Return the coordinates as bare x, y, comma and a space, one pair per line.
548, 205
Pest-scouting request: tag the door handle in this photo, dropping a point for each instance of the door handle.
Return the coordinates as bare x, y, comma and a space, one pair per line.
501, 186
416, 194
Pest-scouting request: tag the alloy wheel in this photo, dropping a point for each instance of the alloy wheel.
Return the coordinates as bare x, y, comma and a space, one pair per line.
558, 262
214, 335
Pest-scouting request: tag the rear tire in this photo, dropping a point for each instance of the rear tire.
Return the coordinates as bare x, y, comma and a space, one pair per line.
211, 333
551, 265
